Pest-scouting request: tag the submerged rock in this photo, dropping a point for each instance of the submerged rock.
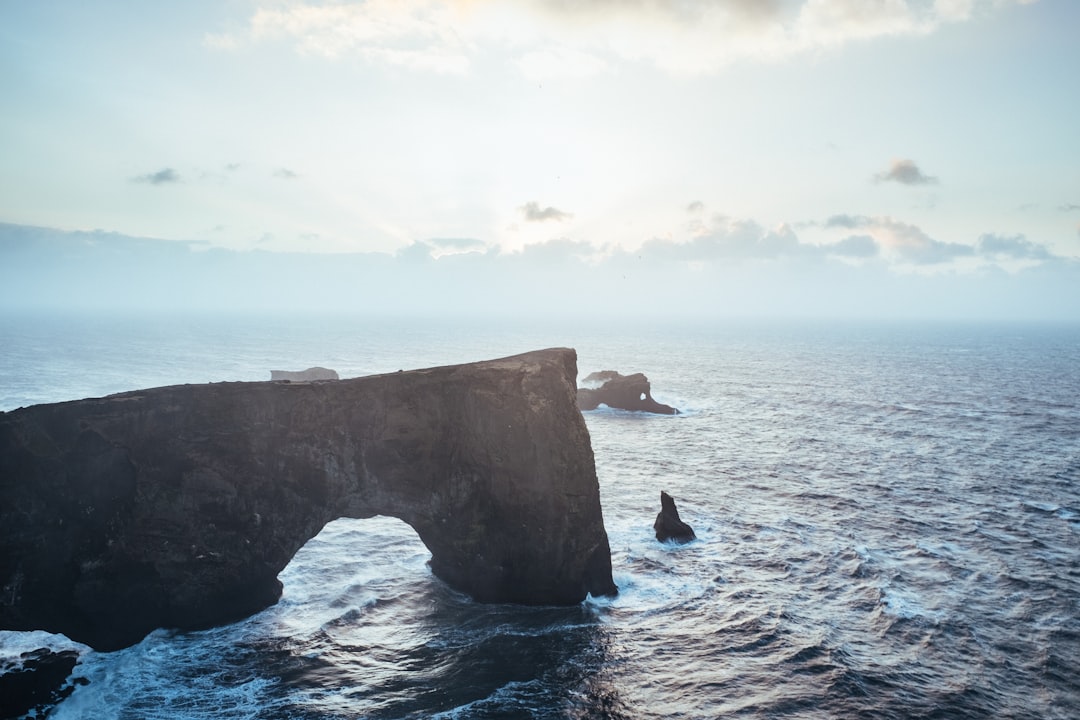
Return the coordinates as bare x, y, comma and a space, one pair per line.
668, 524
625, 392
178, 506
40, 681
313, 373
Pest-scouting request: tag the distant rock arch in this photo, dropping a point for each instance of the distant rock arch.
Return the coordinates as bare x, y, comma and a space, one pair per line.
178, 506
626, 392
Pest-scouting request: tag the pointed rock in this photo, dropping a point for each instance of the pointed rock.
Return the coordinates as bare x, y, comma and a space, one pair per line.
668, 525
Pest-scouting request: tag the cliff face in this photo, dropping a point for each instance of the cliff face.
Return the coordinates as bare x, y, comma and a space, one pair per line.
178, 506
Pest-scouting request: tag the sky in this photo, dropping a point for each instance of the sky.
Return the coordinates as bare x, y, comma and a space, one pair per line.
782, 157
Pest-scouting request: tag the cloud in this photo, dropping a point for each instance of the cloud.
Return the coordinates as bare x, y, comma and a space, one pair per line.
446, 246
532, 212
1015, 247
899, 241
285, 174
907, 243
457, 243
727, 239
165, 176
905, 172
855, 246
846, 221
417, 252
417, 34
560, 37
43, 268
1069, 207
695, 207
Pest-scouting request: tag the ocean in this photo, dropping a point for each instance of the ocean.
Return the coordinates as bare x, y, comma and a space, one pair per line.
887, 519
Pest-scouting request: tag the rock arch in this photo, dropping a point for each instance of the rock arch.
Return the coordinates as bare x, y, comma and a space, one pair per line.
179, 506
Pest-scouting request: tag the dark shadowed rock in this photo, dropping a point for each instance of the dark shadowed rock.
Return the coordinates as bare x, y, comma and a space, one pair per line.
313, 373
668, 525
178, 506
40, 680
626, 392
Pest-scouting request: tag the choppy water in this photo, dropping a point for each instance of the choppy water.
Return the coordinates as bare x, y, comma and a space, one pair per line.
888, 523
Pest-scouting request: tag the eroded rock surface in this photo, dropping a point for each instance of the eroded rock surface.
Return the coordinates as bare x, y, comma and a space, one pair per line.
626, 392
178, 506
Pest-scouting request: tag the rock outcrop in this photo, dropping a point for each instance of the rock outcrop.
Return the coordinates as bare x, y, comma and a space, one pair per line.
178, 506
40, 679
668, 524
625, 392
312, 373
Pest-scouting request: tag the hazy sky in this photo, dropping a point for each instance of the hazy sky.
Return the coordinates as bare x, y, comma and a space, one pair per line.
868, 139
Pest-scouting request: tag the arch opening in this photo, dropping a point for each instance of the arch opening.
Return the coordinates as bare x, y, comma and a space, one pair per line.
352, 563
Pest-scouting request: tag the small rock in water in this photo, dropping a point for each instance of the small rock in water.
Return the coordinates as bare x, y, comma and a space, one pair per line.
668, 525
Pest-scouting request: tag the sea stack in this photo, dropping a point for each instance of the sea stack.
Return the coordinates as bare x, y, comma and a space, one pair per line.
668, 525
623, 392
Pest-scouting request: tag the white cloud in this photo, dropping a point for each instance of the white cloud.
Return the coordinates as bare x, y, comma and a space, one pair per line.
418, 34
549, 38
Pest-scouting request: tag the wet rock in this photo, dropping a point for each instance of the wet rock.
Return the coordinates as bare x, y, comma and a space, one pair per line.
39, 680
178, 506
625, 392
668, 524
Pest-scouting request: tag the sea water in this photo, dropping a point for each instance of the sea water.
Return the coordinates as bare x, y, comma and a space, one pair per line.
888, 523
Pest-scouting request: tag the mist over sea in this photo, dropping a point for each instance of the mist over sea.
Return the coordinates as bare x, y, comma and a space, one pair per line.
888, 522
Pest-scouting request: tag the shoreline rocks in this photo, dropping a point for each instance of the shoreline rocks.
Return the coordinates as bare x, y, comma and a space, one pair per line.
41, 681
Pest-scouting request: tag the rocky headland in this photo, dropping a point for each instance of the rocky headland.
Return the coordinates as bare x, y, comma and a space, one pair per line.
178, 506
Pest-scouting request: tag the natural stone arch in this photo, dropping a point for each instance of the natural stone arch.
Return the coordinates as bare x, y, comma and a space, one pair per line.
178, 506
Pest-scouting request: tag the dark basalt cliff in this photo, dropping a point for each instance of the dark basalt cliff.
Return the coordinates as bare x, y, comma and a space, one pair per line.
178, 506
